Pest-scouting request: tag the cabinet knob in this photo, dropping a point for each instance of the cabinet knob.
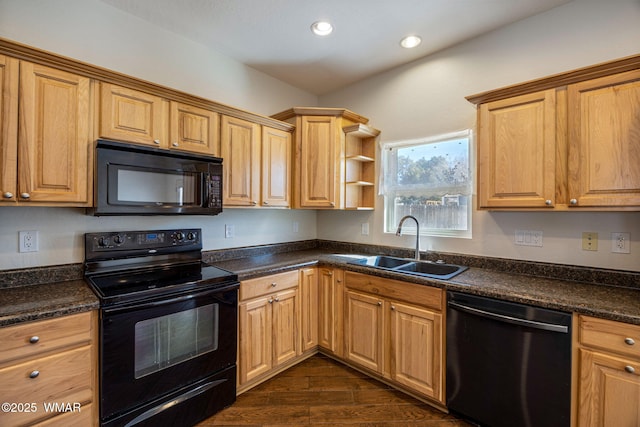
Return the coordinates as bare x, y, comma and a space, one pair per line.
175, 144
34, 374
270, 301
253, 202
274, 284
277, 299
156, 141
393, 308
379, 303
25, 195
548, 202
630, 369
629, 341
7, 195
573, 201
34, 339
330, 273
265, 203
339, 281
332, 204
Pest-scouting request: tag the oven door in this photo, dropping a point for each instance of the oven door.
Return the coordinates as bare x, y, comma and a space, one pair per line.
152, 348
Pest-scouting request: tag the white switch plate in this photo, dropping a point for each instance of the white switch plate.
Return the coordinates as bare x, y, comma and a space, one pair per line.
528, 238
296, 226
229, 231
364, 228
620, 243
28, 241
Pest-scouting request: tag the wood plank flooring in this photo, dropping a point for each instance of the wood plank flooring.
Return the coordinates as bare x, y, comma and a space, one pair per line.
323, 392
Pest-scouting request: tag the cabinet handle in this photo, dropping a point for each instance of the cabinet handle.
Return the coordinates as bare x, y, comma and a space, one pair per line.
7, 195
25, 195
629, 341
34, 374
629, 369
34, 339
548, 202
156, 141
175, 144
573, 201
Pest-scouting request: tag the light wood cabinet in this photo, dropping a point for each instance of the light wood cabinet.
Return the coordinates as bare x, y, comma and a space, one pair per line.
50, 361
268, 325
331, 310
609, 373
566, 142
142, 118
257, 164
395, 329
334, 164
309, 308
46, 159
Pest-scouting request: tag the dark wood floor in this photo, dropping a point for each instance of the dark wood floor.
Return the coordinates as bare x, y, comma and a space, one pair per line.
322, 392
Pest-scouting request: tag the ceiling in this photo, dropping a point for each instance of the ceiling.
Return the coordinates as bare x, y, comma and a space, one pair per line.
273, 36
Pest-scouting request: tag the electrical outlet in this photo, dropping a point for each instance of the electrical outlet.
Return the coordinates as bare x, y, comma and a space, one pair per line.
589, 241
620, 243
28, 241
229, 231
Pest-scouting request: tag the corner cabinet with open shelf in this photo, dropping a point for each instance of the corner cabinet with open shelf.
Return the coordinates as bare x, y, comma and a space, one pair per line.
335, 159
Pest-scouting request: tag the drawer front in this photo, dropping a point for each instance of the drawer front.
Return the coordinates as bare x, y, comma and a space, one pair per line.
608, 335
402, 291
61, 378
34, 338
82, 417
269, 284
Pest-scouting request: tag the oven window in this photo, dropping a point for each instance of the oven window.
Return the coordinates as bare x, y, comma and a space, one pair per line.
144, 186
165, 341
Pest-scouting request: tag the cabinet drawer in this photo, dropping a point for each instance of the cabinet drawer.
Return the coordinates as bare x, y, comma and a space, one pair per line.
63, 378
608, 335
47, 335
81, 418
395, 289
265, 285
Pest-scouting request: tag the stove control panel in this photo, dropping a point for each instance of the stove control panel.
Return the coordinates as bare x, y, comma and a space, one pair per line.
150, 241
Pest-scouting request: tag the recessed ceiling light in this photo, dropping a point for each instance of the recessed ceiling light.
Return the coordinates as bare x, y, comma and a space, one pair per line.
410, 41
322, 28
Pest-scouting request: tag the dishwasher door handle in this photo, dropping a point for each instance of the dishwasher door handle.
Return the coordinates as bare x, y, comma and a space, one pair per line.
509, 319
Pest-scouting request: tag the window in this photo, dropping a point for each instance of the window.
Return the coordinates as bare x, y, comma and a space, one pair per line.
430, 179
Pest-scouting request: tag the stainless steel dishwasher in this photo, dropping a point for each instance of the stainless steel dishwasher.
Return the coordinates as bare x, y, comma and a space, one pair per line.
508, 364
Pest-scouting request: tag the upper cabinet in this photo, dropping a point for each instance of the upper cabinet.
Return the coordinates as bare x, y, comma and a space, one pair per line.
45, 142
334, 164
142, 118
566, 142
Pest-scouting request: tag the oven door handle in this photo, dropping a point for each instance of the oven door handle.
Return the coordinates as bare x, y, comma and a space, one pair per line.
173, 402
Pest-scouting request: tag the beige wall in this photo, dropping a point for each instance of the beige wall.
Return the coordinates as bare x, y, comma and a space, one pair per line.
427, 97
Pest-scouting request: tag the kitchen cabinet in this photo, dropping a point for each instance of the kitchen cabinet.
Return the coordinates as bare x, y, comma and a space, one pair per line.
309, 309
268, 325
566, 142
334, 165
46, 158
47, 362
331, 310
143, 118
257, 164
609, 373
395, 330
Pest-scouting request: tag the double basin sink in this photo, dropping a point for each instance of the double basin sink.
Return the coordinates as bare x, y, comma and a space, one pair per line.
435, 270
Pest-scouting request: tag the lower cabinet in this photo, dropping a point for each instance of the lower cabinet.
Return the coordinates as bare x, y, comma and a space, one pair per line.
48, 371
330, 310
268, 325
395, 329
609, 373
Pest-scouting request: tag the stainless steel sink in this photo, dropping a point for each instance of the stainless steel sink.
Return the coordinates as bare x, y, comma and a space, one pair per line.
431, 269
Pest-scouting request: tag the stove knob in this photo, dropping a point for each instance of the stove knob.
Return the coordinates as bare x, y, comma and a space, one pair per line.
118, 239
191, 236
103, 242
180, 235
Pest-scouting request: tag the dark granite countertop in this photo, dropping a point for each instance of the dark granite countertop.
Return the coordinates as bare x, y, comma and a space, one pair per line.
610, 302
43, 301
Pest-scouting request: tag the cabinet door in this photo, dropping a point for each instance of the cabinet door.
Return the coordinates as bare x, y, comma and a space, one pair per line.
416, 349
133, 116
194, 129
276, 167
604, 141
240, 150
255, 338
331, 310
8, 128
53, 136
319, 172
516, 152
309, 308
285, 326
364, 330
609, 394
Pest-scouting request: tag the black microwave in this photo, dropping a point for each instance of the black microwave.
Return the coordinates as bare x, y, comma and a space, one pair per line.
139, 180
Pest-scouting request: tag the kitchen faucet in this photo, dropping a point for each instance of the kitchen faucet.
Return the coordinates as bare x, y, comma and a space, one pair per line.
399, 233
